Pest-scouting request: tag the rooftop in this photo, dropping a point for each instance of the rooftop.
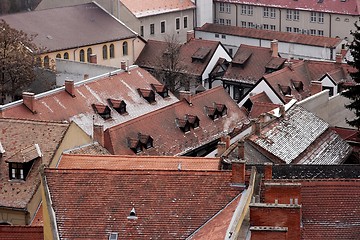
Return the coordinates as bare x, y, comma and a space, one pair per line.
21, 232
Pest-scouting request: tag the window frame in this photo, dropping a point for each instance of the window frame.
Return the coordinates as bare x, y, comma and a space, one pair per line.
105, 52
228, 7
321, 17
82, 55
266, 11
125, 48
163, 26
66, 55
296, 15
177, 23
222, 7
112, 50
185, 22
221, 21
152, 28
289, 14
16, 171
250, 10
272, 13
88, 54
243, 9
142, 30
228, 22
313, 17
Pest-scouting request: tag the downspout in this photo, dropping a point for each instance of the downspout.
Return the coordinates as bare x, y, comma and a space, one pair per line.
133, 50
236, 16
330, 25
74, 53
279, 20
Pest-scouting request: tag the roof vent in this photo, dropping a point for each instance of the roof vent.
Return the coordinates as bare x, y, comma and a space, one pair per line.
132, 215
179, 166
2, 150
113, 236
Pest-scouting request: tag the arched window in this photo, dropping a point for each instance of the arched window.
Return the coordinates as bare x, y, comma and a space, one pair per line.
105, 53
125, 48
58, 55
82, 55
89, 52
112, 51
38, 62
46, 62
66, 55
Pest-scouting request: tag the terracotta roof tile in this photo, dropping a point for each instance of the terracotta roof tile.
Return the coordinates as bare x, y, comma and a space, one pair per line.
154, 50
88, 17
148, 8
19, 134
21, 232
58, 105
93, 149
261, 107
38, 218
168, 204
333, 6
162, 126
271, 35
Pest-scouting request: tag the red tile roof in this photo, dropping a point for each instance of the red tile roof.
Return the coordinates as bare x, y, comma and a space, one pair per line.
93, 149
271, 35
168, 137
150, 56
168, 204
90, 18
330, 209
19, 134
124, 162
347, 7
148, 8
251, 67
38, 218
58, 105
261, 107
21, 232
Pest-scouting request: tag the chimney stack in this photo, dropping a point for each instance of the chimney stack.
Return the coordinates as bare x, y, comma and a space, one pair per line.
226, 140
29, 101
69, 87
185, 95
221, 147
86, 76
123, 65
282, 111
338, 58
256, 128
98, 134
241, 149
238, 172
274, 48
315, 87
93, 58
268, 171
190, 35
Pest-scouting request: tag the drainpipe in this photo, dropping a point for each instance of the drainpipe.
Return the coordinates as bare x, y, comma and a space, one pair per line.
236, 16
330, 25
74, 53
279, 20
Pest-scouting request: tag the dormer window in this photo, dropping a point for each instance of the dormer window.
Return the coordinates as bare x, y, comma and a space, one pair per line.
135, 145
146, 140
118, 105
161, 90
193, 120
200, 54
21, 163
285, 90
103, 110
140, 143
184, 125
148, 95
221, 109
216, 111
298, 85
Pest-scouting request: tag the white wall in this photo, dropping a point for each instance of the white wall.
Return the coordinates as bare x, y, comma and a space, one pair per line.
204, 12
327, 82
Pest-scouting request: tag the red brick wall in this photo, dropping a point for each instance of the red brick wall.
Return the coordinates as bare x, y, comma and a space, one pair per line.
268, 235
282, 193
277, 217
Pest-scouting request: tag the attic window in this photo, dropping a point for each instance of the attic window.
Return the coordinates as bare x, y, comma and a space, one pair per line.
142, 141
113, 236
146, 140
193, 120
216, 111
298, 85
148, 95
184, 125
132, 215
201, 54
161, 90
285, 90
103, 110
118, 105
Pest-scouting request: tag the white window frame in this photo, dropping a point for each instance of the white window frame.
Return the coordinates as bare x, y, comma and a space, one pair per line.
161, 30
321, 17
243, 24
272, 13
321, 32
272, 27
228, 22
296, 30
250, 10
243, 9
313, 32
187, 22
222, 21
152, 28
313, 17
266, 11
288, 14
177, 23
266, 26
228, 7
222, 7
296, 15
289, 29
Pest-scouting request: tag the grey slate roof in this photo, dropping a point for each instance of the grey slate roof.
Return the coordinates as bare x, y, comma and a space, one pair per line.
301, 137
70, 27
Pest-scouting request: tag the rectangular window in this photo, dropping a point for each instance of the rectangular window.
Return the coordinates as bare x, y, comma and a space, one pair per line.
250, 24
288, 14
222, 22
222, 7
231, 51
228, 21
243, 24
320, 32
313, 17
296, 15
288, 29
266, 26
312, 32
321, 17
243, 9
152, 29
223, 36
266, 12
228, 7
177, 23
216, 35
162, 26
272, 13
185, 22
17, 171
272, 27
250, 10
296, 30
142, 31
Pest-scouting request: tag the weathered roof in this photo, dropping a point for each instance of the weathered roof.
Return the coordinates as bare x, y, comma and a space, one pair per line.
301, 137
21, 232
125, 162
347, 7
271, 35
164, 125
250, 63
58, 105
92, 148
148, 8
168, 204
70, 27
151, 55
261, 107
19, 134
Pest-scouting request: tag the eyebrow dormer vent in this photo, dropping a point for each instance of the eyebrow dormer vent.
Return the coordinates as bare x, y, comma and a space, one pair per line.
215, 111
147, 94
184, 125
162, 90
193, 120
118, 105
140, 143
103, 110
132, 215
69, 87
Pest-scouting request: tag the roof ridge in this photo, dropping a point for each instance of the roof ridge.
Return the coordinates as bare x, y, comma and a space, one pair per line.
34, 121
139, 156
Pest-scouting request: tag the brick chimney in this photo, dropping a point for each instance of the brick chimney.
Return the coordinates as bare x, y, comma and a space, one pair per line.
268, 171
98, 134
93, 58
238, 172
226, 140
282, 111
315, 87
256, 128
190, 35
185, 95
69, 87
274, 48
338, 58
123, 65
29, 101
86, 76
241, 149
221, 147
